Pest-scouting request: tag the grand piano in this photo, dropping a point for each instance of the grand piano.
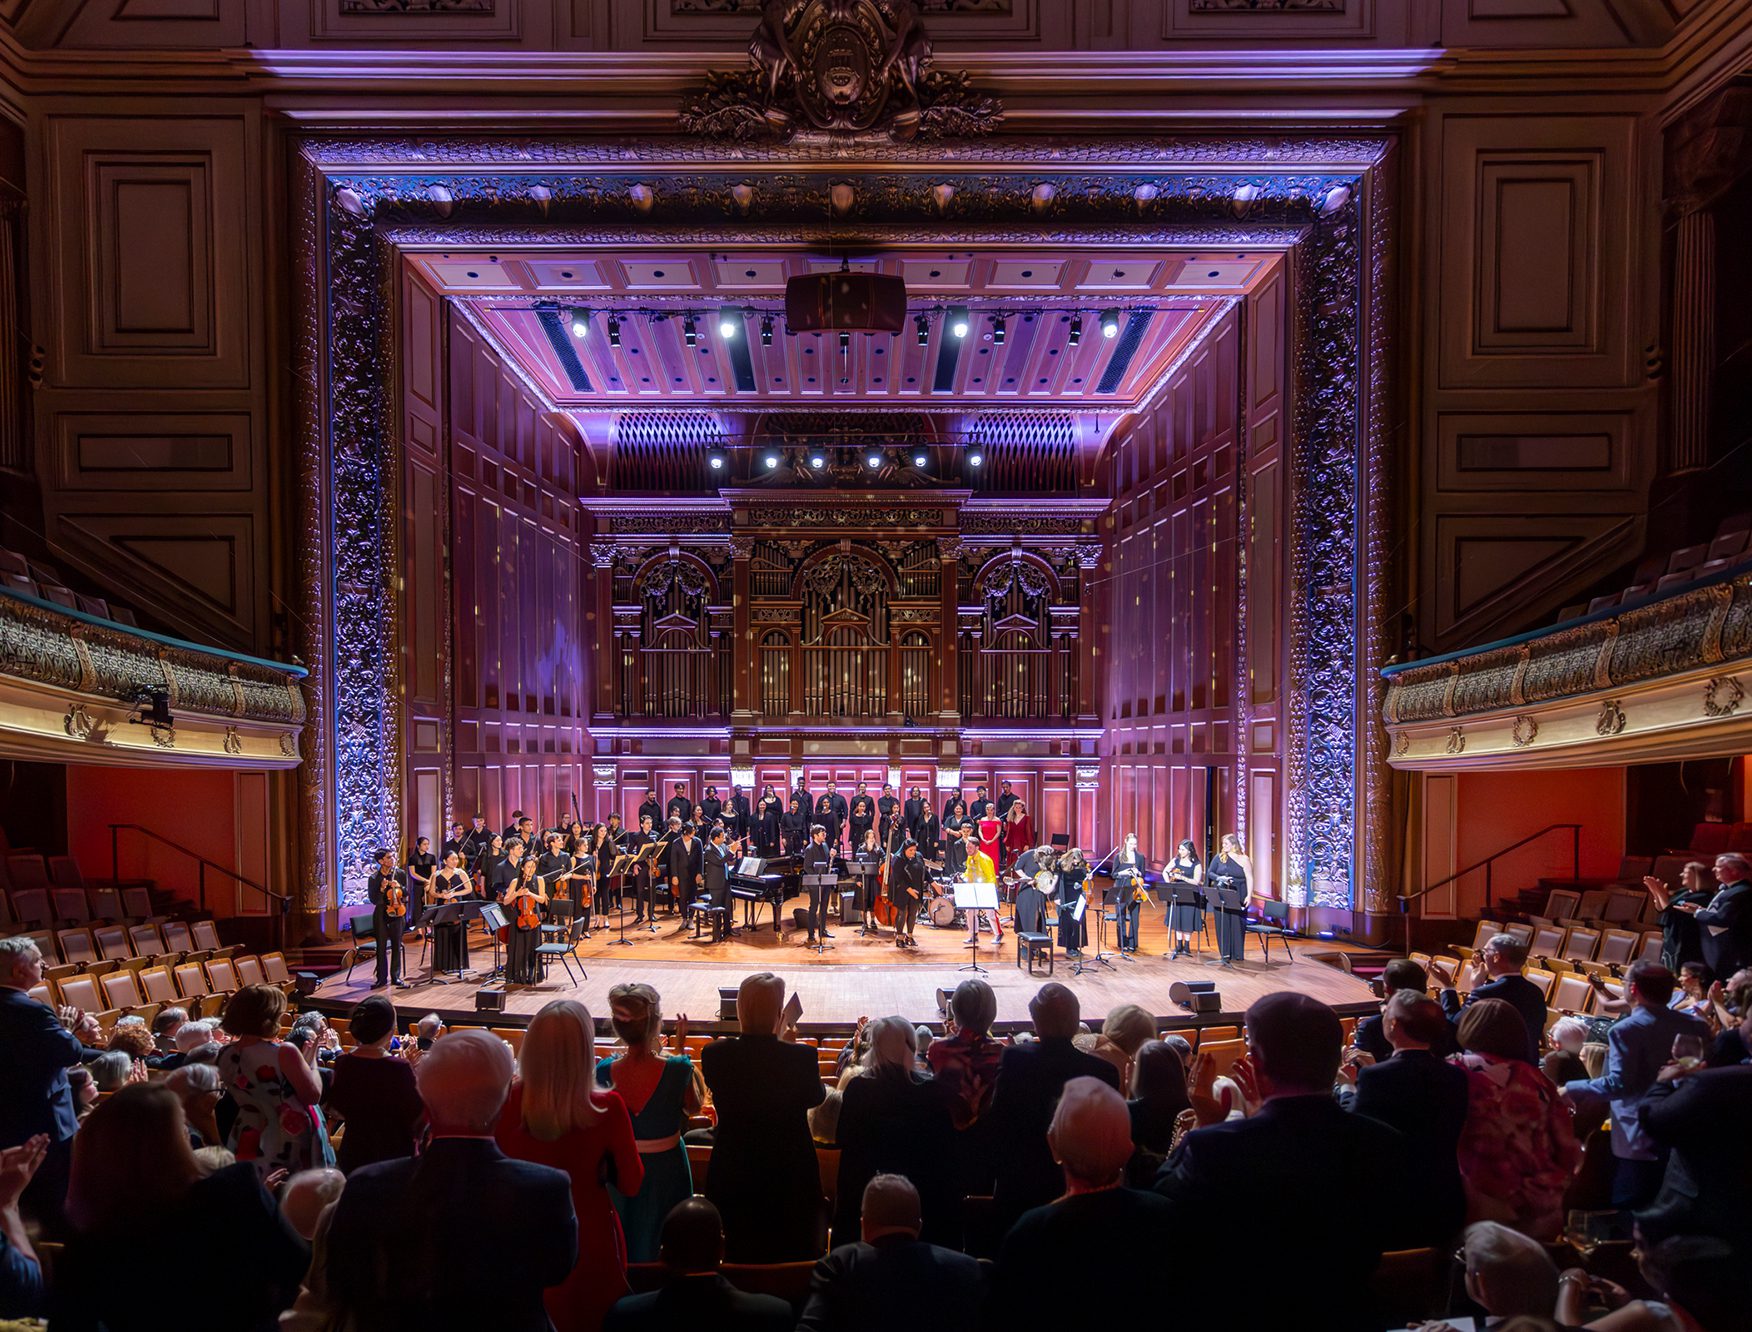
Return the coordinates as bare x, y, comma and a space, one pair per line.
755, 881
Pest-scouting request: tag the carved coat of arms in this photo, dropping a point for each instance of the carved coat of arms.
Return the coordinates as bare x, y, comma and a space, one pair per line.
841, 68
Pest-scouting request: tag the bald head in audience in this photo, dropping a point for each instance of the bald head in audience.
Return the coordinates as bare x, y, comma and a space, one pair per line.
1055, 1011
891, 1207
464, 1080
692, 1241
306, 1194
1090, 1134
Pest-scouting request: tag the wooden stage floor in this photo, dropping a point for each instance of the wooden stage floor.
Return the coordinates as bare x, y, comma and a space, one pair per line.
857, 977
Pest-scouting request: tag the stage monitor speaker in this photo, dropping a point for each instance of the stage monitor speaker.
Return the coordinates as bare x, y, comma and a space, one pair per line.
1196, 996
305, 983
1205, 1003
490, 999
727, 1003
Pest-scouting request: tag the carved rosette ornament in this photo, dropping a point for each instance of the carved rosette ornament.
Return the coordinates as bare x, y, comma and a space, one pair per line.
1722, 696
839, 68
1611, 718
1524, 732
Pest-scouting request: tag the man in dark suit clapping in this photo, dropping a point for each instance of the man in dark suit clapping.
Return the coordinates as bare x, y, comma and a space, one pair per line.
1023, 1098
1501, 959
462, 1186
1265, 1184
1725, 925
34, 1095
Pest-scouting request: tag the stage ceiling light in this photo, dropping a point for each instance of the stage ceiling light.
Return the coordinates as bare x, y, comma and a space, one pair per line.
1076, 330
716, 460
690, 333
975, 457
580, 323
1110, 323
818, 461
873, 460
771, 461
998, 331
924, 327
921, 459
766, 331
959, 320
613, 331
729, 321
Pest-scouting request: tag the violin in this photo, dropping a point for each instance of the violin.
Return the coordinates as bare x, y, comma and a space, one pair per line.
395, 898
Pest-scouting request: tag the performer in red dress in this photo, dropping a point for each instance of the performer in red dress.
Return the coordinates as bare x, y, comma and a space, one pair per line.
1018, 832
991, 834
556, 1117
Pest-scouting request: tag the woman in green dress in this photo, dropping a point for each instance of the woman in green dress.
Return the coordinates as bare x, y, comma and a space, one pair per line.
661, 1091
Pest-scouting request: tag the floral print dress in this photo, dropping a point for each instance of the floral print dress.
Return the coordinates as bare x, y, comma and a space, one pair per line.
274, 1130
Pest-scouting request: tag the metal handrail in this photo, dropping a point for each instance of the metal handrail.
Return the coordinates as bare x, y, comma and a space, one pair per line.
1488, 865
203, 865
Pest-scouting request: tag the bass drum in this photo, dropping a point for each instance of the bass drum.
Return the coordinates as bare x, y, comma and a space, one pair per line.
943, 913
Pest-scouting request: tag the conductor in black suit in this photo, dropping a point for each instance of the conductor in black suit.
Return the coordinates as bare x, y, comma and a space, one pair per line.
1502, 959
1269, 1178
463, 1185
388, 925
818, 860
890, 1278
764, 1178
1725, 925
1419, 1093
1027, 1089
34, 1095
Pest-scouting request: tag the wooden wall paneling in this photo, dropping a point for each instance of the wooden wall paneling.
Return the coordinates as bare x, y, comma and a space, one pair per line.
151, 419
426, 640
155, 24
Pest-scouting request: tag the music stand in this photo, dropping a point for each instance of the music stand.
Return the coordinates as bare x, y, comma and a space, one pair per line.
1082, 962
823, 882
976, 896
864, 872
492, 917
622, 862
446, 913
1185, 895
1229, 900
648, 858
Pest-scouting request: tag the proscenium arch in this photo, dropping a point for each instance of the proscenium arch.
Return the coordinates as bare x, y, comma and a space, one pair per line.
1328, 199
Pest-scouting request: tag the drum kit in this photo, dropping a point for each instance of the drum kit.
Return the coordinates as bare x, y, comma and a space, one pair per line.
942, 912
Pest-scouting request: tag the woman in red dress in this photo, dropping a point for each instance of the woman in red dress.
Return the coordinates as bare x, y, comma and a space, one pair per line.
555, 1118
1018, 832
991, 835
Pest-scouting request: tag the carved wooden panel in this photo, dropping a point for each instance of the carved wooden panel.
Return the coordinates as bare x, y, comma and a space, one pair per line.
1302, 21
152, 451
1555, 451
417, 22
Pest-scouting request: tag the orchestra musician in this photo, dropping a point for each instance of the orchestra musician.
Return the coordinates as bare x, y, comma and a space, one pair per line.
450, 942
687, 870
649, 806
716, 861
795, 827
525, 899
501, 869
914, 810
906, 886
886, 804
644, 897
421, 866
1183, 918
1230, 868
869, 852
475, 840
454, 841
981, 868
1073, 874
1129, 868
387, 891
555, 868
817, 860
515, 827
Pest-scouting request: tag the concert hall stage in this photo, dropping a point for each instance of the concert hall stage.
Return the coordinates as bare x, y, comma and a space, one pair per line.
856, 978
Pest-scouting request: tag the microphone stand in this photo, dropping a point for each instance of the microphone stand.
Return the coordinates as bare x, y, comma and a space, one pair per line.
1102, 956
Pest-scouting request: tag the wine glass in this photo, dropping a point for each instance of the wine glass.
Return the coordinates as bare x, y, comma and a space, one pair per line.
1688, 1050
1587, 1231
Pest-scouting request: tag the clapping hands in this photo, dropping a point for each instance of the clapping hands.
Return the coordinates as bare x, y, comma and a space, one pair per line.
18, 1166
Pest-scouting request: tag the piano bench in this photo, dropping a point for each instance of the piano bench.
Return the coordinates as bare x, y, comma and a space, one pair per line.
718, 916
1032, 946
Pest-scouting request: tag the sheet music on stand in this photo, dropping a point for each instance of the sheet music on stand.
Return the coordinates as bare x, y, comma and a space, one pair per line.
975, 895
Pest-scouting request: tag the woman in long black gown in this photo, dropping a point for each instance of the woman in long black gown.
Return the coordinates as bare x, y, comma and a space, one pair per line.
1072, 871
766, 835
522, 966
1230, 868
1185, 919
450, 942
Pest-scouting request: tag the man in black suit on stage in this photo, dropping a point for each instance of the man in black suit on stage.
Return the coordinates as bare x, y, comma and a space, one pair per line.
980, 804
1419, 1093
387, 923
1269, 1177
644, 877
914, 811
679, 806
694, 1293
515, 827
1725, 925
462, 1184
817, 860
687, 869
1006, 798
891, 1278
715, 867
886, 804
648, 807
838, 809
1502, 959
802, 793
1027, 1089
764, 1177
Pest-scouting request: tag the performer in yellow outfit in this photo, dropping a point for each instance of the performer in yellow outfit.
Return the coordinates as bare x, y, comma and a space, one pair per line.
980, 869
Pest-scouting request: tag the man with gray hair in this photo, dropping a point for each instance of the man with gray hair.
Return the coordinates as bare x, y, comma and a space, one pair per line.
1508, 1274
1725, 924
1090, 1136
1028, 1086
1501, 959
34, 1095
462, 1185
892, 1278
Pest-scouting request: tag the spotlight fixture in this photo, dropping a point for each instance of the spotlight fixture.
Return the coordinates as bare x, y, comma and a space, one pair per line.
689, 333
845, 343
975, 457
580, 323
766, 330
771, 461
921, 459
729, 321
1076, 330
958, 320
818, 461
1110, 323
924, 328
152, 708
716, 460
873, 460
613, 331
998, 330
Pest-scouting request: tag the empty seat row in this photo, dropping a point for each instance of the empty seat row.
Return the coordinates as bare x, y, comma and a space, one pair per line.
35, 579
165, 983
150, 938
1659, 573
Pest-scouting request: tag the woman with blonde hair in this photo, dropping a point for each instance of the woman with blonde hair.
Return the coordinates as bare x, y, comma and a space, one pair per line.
660, 1089
1231, 869
1018, 832
554, 1117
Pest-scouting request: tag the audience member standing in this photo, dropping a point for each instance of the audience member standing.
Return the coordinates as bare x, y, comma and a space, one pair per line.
34, 1094
554, 1118
694, 1293
1681, 941
1518, 1149
1638, 1045
660, 1092
1269, 1178
1725, 925
764, 1178
373, 1091
1424, 1098
894, 1120
275, 1087
138, 1197
1028, 1086
1090, 1135
888, 1277
1501, 959
461, 1236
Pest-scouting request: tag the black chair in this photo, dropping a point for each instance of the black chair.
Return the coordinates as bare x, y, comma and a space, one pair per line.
1274, 923
1032, 938
546, 952
363, 927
